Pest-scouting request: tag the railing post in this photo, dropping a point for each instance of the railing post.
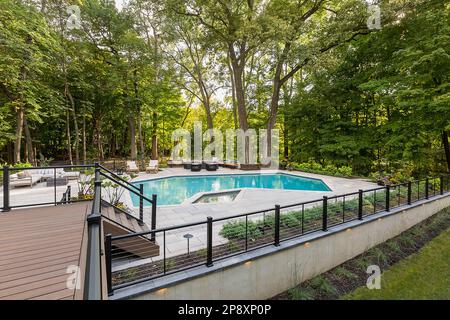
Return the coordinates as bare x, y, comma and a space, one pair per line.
409, 192
427, 185
277, 225
441, 185
98, 185
141, 205
360, 204
108, 258
388, 198
6, 206
325, 214
209, 239
153, 224
54, 185
93, 275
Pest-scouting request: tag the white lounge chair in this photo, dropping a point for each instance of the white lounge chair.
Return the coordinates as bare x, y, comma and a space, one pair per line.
50, 173
152, 166
24, 178
132, 167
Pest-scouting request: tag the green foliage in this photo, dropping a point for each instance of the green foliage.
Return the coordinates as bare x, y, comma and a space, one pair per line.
314, 167
379, 103
298, 293
323, 285
237, 230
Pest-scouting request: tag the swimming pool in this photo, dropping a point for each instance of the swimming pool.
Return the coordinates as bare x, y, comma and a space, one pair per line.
175, 190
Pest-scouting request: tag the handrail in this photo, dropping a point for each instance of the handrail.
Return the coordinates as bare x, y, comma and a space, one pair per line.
239, 215
128, 188
327, 216
93, 276
51, 167
117, 177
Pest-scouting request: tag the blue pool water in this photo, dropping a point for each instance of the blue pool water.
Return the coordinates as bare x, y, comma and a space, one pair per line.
174, 190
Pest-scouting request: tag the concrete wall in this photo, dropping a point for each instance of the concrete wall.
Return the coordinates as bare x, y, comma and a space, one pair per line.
266, 276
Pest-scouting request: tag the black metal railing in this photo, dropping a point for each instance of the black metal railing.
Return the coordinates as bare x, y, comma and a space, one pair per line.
93, 275
56, 178
206, 242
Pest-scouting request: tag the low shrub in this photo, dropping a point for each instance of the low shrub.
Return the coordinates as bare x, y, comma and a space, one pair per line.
329, 169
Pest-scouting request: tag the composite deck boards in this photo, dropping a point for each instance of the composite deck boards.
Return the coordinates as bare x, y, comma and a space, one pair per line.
37, 247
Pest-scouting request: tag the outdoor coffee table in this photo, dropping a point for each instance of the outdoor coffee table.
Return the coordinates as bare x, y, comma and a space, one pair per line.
60, 181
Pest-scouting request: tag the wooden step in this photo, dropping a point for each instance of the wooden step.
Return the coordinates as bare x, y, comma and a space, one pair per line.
118, 223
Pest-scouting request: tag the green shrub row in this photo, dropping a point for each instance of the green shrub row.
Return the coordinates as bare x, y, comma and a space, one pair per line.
329, 169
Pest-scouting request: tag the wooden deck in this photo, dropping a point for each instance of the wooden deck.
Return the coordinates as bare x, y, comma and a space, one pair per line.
37, 246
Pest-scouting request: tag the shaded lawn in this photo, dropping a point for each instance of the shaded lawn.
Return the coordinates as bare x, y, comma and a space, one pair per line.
424, 275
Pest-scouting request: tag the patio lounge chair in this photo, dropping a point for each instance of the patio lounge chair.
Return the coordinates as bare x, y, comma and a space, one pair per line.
152, 166
50, 173
196, 166
212, 165
24, 178
132, 167
187, 164
174, 163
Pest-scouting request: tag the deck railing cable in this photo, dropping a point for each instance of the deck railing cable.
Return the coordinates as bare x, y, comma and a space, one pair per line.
215, 239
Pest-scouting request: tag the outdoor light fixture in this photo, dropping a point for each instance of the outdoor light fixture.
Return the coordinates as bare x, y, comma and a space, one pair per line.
307, 244
188, 236
349, 229
161, 291
248, 264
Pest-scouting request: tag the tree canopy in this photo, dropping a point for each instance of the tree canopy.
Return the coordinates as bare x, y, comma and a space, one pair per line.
115, 82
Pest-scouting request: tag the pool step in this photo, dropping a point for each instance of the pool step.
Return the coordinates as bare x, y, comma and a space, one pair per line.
117, 222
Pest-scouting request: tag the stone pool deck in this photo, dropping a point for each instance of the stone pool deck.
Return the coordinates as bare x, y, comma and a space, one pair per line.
248, 200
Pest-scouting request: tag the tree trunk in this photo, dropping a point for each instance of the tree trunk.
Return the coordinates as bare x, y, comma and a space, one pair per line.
140, 137
75, 126
446, 148
19, 129
132, 126
233, 95
69, 140
154, 137
240, 97
84, 138
29, 142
